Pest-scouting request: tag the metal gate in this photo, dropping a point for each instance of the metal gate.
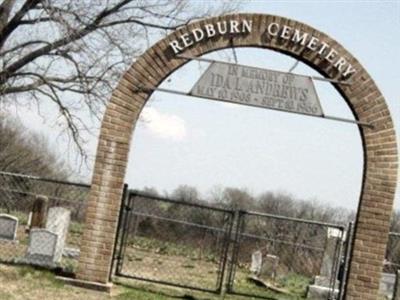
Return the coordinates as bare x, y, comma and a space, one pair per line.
172, 242
192, 245
295, 253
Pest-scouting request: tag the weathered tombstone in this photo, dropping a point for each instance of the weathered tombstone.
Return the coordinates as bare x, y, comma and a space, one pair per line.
8, 227
39, 212
58, 222
387, 285
41, 248
256, 262
269, 266
396, 292
333, 240
323, 284
316, 292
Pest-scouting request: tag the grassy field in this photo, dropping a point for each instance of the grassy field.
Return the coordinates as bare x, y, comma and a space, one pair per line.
146, 258
27, 283
171, 262
180, 263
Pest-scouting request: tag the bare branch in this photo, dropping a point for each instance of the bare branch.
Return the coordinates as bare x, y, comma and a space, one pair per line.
13, 24
72, 53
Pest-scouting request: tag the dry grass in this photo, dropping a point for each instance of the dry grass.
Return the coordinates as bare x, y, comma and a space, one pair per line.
147, 259
21, 283
26, 283
172, 268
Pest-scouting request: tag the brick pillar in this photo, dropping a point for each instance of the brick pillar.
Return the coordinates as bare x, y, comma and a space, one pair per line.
107, 185
102, 215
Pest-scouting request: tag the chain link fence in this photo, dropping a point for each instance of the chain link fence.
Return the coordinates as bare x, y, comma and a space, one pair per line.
41, 220
173, 242
277, 257
392, 259
201, 247
190, 245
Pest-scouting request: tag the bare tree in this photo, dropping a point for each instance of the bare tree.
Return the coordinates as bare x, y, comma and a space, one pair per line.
72, 52
23, 151
277, 203
186, 193
236, 198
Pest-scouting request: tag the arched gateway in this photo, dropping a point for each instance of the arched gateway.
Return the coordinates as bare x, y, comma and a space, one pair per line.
290, 37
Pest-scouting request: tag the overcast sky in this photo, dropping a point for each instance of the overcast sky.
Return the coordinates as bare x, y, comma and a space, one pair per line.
207, 143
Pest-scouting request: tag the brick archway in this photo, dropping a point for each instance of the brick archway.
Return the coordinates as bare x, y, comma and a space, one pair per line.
362, 96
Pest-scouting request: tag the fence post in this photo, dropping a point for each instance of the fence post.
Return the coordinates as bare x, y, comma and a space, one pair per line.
235, 248
396, 291
227, 239
344, 272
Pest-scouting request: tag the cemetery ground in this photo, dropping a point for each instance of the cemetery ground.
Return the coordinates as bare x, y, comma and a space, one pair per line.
191, 264
25, 282
145, 257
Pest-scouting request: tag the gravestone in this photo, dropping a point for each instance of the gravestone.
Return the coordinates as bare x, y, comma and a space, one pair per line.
396, 292
8, 227
39, 211
316, 292
58, 220
387, 285
322, 288
256, 262
269, 266
334, 237
41, 248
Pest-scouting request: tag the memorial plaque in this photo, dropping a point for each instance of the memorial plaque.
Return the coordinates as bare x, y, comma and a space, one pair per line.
258, 87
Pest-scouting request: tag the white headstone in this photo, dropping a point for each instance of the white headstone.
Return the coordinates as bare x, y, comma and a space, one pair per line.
8, 227
334, 233
58, 219
256, 262
396, 292
387, 285
325, 281
316, 292
334, 238
42, 247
